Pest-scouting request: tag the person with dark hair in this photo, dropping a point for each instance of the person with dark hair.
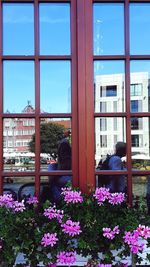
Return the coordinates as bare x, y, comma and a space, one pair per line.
63, 163
117, 184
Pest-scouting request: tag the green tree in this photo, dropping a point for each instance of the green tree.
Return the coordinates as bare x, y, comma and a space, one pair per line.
50, 135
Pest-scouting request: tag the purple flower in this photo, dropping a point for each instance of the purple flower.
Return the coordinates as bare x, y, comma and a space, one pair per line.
32, 200
71, 228
110, 234
67, 258
133, 241
71, 196
101, 194
144, 231
49, 239
116, 198
18, 206
53, 213
6, 200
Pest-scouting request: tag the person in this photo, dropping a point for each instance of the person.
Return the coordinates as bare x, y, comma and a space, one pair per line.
63, 163
117, 184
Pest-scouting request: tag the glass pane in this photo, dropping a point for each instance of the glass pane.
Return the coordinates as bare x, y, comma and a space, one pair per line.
17, 152
141, 191
19, 86
109, 84
55, 144
50, 187
18, 29
108, 24
140, 28
19, 187
108, 131
140, 137
139, 85
55, 82
54, 29
115, 183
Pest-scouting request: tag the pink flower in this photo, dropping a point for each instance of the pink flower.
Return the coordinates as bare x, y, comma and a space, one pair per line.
18, 206
49, 239
53, 213
116, 198
71, 228
101, 194
71, 196
32, 200
133, 241
143, 231
67, 258
6, 200
110, 234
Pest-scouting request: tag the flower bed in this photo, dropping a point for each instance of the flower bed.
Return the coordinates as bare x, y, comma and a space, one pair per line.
80, 224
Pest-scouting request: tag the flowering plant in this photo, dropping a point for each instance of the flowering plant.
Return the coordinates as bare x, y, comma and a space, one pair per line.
79, 224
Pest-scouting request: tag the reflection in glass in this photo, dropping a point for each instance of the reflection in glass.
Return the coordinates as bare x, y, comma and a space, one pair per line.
55, 82
56, 154
109, 86
54, 133
108, 24
139, 28
139, 85
140, 137
20, 187
141, 190
54, 29
45, 188
108, 131
17, 152
18, 29
19, 87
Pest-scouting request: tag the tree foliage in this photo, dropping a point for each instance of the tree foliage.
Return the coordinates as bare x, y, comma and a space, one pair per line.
50, 135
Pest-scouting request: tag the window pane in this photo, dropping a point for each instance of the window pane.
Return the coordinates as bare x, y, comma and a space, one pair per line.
141, 190
18, 155
108, 24
108, 131
139, 85
109, 86
20, 187
140, 28
19, 86
18, 29
54, 29
55, 86
140, 136
55, 144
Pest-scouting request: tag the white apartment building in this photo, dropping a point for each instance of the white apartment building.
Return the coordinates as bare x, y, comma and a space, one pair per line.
110, 97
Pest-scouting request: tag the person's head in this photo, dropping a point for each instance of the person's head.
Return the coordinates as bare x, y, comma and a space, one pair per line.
67, 133
121, 149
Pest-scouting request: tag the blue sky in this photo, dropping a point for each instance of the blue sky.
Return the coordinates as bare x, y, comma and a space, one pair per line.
54, 30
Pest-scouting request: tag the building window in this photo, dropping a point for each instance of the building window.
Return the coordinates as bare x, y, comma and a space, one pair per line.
136, 105
114, 106
103, 124
115, 127
103, 140
108, 91
103, 106
136, 123
135, 140
136, 89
